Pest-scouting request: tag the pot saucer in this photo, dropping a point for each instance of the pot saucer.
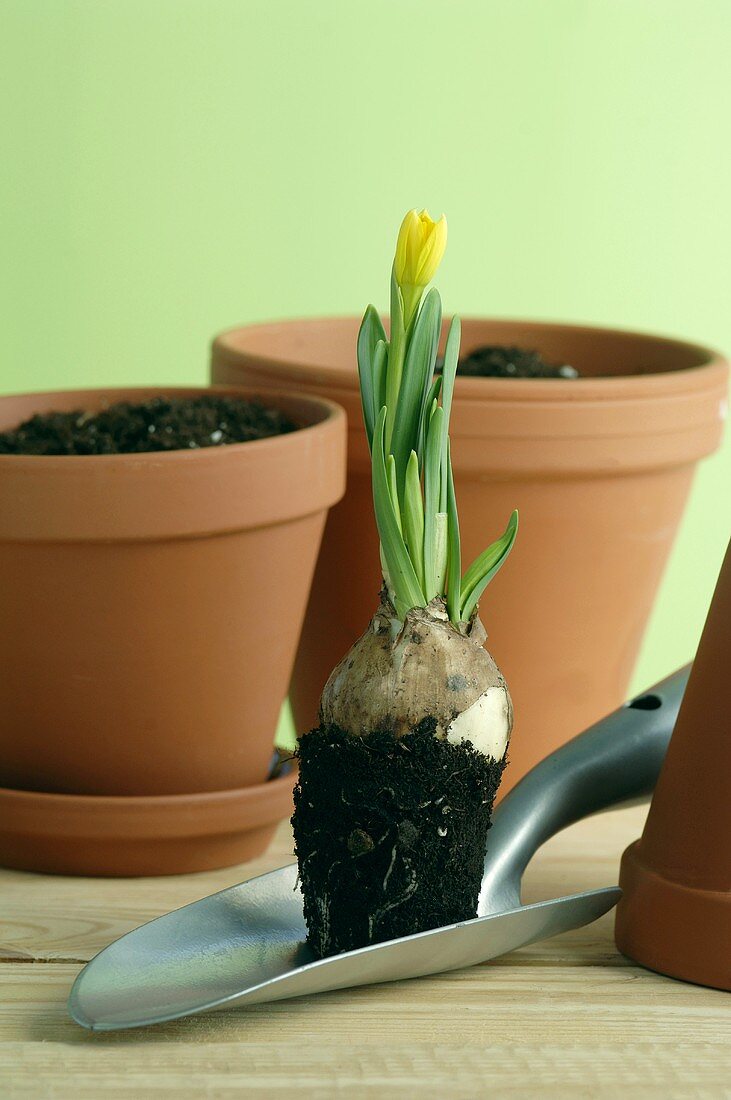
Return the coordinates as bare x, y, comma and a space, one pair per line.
128, 836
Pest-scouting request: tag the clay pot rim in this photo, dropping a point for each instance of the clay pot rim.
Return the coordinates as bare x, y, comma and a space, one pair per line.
330, 412
709, 371
136, 817
172, 494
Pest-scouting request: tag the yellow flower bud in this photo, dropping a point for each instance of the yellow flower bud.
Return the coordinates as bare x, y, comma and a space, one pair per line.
419, 249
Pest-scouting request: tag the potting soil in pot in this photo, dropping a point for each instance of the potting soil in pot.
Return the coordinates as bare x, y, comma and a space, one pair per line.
392, 832
500, 361
159, 424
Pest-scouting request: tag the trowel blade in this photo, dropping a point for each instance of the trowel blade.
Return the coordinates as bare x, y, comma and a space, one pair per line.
245, 945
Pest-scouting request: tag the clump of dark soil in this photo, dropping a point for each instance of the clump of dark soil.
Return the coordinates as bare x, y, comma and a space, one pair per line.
502, 361
160, 424
390, 834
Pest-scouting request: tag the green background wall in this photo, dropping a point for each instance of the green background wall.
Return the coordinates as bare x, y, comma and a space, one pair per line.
172, 167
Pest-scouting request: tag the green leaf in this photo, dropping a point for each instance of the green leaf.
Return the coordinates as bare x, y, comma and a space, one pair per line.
454, 566
441, 552
430, 400
449, 371
484, 568
416, 380
370, 333
397, 351
380, 368
431, 501
393, 489
397, 303
413, 516
404, 581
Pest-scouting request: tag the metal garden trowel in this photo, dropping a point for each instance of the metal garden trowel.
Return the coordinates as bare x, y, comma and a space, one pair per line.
246, 944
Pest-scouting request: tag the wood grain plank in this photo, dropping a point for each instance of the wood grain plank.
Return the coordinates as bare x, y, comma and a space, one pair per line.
566, 1018
494, 996
447, 1036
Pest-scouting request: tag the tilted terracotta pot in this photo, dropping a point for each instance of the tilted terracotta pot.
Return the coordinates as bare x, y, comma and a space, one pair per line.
151, 604
599, 467
675, 913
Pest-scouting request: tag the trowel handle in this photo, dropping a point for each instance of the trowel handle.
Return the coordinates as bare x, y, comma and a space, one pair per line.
618, 760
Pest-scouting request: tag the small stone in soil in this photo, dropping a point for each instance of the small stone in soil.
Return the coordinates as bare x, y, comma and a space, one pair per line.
160, 424
504, 361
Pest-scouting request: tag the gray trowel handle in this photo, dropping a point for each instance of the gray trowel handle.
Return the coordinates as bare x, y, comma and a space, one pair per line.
617, 760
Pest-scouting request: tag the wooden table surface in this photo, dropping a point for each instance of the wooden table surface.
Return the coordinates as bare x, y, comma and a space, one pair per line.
568, 1017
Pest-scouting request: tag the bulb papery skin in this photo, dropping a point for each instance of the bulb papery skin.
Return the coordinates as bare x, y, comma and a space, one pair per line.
400, 673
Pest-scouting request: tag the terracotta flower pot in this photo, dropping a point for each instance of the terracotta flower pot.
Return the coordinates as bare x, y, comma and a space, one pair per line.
161, 835
151, 604
675, 914
600, 468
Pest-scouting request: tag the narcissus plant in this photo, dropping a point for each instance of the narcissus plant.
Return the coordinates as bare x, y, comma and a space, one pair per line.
398, 780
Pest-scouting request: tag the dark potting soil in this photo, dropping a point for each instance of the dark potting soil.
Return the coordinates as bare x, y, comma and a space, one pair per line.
160, 424
502, 361
390, 834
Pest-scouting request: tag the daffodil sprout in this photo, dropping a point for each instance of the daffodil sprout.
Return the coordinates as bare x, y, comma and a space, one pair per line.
406, 411
397, 781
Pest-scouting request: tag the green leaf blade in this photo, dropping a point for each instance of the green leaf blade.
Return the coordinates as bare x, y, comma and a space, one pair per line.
430, 399
416, 380
397, 351
393, 490
380, 370
449, 372
413, 516
370, 333
406, 588
432, 476
484, 567
454, 565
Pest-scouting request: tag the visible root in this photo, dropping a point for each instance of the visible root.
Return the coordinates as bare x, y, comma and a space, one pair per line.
390, 868
377, 917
